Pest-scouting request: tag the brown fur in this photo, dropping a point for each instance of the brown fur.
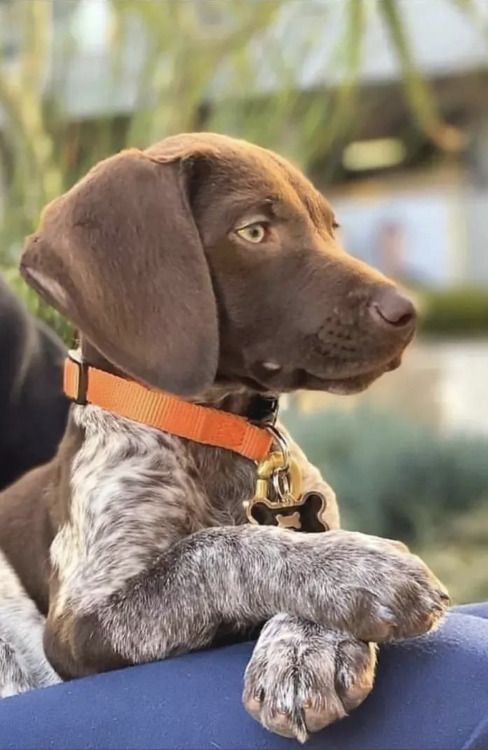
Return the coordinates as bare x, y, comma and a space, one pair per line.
30, 513
298, 298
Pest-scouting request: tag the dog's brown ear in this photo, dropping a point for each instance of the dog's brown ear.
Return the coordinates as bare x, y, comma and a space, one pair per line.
121, 257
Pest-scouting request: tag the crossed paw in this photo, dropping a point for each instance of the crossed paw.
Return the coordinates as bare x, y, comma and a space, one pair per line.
303, 676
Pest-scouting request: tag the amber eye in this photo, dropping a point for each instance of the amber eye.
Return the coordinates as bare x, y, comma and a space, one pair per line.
254, 233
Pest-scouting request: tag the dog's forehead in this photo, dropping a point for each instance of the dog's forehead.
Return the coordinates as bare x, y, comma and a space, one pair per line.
259, 173
246, 168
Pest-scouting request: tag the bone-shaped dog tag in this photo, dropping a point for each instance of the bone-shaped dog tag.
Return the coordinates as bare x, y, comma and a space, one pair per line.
279, 500
306, 514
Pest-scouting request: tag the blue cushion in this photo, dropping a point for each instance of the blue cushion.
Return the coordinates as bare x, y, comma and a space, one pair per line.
431, 693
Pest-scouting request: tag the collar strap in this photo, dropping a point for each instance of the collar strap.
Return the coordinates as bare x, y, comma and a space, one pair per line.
163, 411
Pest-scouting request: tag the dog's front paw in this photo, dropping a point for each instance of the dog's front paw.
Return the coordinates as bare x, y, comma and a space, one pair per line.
302, 676
391, 594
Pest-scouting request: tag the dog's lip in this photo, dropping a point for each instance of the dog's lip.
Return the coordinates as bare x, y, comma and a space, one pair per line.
357, 382
264, 382
350, 384
380, 367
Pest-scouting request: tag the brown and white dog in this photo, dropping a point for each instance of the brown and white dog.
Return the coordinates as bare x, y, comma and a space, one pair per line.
209, 268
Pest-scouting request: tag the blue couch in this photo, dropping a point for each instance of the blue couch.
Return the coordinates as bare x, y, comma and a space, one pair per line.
431, 694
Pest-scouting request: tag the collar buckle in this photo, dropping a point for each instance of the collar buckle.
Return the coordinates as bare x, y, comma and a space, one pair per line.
81, 385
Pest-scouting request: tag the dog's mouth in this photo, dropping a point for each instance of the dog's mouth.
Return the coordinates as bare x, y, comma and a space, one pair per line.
271, 378
348, 385
351, 384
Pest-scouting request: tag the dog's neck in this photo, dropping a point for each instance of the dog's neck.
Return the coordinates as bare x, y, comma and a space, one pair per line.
240, 399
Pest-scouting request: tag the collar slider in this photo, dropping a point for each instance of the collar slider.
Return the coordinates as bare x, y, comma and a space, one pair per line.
79, 386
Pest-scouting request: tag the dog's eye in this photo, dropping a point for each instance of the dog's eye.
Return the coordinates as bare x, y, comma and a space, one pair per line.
254, 233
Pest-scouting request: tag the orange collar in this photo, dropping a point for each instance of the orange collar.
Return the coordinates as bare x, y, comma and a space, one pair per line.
163, 411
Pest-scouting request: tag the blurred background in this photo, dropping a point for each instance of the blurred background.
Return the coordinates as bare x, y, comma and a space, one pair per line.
384, 103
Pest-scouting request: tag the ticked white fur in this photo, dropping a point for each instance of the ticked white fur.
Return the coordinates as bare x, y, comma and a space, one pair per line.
134, 491
128, 486
23, 664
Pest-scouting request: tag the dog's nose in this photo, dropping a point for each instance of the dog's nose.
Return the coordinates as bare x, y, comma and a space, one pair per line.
390, 307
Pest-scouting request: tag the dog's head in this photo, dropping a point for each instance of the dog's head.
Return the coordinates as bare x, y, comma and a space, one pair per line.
205, 260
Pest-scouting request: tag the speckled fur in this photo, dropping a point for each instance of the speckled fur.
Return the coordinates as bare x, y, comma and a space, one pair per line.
23, 664
134, 493
156, 558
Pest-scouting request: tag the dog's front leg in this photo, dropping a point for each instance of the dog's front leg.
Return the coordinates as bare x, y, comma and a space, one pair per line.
362, 585
303, 676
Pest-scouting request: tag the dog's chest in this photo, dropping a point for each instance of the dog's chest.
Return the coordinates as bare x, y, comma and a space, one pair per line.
134, 492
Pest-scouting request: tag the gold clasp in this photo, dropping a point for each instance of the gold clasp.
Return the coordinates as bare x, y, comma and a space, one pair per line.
278, 499
278, 480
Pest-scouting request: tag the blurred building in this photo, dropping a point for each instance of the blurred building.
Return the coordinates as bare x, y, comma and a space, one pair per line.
404, 209
419, 217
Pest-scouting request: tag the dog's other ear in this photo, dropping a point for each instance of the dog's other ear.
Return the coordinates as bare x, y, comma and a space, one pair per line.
121, 257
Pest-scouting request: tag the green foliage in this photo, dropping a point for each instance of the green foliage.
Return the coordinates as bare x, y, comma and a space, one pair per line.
417, 91
459, 556
393, 478
224, 65
457, 311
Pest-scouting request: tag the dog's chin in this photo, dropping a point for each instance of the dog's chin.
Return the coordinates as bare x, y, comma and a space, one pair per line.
348, 384
342, 383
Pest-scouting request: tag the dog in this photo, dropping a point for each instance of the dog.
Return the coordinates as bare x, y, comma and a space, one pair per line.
209, 269
33, 406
